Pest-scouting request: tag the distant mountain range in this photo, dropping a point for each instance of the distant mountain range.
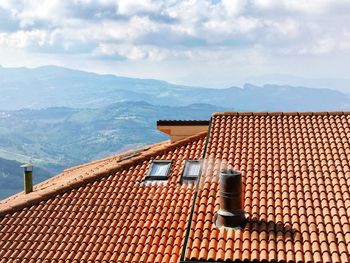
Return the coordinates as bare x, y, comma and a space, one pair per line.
52, 86
57, 117
340, 84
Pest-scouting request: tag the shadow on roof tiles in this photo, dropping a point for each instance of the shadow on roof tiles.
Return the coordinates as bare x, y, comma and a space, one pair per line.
278, 229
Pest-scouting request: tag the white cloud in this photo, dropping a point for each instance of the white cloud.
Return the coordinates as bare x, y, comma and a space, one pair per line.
329, 45
324, 45
233, 7
308, 6
239, 25
132, 52
25, 39
47, 10
127, 7
172, 30
302, 6
195, 22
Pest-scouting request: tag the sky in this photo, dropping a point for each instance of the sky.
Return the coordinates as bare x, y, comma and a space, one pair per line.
213, 43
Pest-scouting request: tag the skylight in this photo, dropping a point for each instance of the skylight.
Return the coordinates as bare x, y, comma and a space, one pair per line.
191, 170
159, 170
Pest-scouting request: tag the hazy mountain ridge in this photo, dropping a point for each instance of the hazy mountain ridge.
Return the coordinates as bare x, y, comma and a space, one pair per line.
52, 86
340, 84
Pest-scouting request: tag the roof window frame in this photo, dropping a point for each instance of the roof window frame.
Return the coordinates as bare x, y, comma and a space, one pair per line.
150, 177
190, 178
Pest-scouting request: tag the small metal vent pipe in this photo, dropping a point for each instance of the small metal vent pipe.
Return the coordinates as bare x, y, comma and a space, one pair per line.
28, 177
231, 213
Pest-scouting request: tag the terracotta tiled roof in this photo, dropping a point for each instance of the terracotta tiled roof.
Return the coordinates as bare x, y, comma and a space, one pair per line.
76, 176
296, 179
114, 218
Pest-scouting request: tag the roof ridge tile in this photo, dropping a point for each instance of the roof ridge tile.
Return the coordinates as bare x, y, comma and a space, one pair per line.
272, 113
182, 122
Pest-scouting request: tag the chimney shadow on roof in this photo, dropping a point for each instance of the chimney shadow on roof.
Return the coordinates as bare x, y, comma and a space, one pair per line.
272, 228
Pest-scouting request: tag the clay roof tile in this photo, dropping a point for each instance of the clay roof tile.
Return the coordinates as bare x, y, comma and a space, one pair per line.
293, 200
296, 195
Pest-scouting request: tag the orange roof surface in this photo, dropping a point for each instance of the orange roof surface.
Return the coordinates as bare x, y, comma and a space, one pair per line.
296, 179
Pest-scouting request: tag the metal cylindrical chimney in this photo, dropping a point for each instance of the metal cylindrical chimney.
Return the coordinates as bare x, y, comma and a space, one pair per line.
231, 213
28, 177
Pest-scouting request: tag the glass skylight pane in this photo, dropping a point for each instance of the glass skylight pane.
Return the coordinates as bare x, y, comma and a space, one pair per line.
192, 169
159, 169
